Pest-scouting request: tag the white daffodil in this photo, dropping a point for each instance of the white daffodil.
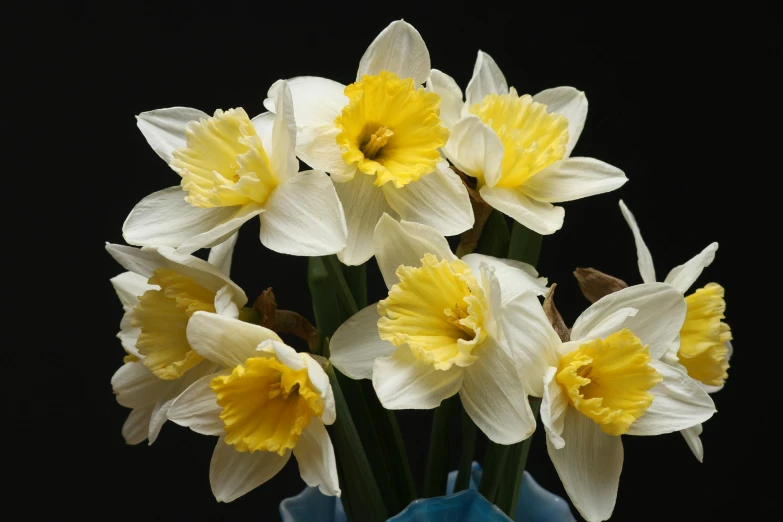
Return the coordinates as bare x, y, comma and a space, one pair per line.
380, 139
518, 147
705, 340
608, 380
233, 169
270, 401
159, 293
440, 331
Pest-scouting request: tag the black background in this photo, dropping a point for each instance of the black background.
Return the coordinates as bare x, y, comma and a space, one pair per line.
673, 94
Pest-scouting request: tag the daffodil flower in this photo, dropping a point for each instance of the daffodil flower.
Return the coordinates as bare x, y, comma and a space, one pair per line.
440, 331
608, 380
705, 340
233, 169
518, 147
160, 292
269, 402
380, 139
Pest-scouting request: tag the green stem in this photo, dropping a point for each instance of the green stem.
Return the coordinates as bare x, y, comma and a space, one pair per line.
328, 316
508, 496
356, 277
466, 456
494, 465
337, 278
437, 469
494, 240
525, 245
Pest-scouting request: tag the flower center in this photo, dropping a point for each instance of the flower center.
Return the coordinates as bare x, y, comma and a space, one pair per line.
163, 318
391, 129
266, 405
703, 338
438, 310
224, 163
609, 380
532, 138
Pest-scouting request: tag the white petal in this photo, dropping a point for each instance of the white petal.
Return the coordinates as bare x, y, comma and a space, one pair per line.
493, 313
540, 217
164, 218
315, 455
553, 408
589, 466
319, 379
146, 260
363, 204
571, 103
165, 128
450, 96
573, 178
404, 243
282, 156
402, 382
136, 426
611, 323
494, 396
226, 341
661, 312
317, 146
129, 287
515, 277
233, 473
531, 339
643, 256
683, 276
439, 200
399, 49
475, 149
283, 353
197, 407
679, 403
356, 344
691, 436
129, 334
487, 79
224, 304
304, 217
136, 386
264, 123
221, 255
317, 101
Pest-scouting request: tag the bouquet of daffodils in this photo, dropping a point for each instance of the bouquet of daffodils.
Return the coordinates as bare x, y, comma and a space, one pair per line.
399, 159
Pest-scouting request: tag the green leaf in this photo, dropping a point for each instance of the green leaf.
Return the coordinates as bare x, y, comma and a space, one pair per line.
494, 466
525, 245
356, 277
438, 457
495, 239
328, 316
466, 455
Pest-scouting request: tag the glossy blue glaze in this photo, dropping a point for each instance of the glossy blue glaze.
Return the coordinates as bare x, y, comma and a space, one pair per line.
465, 506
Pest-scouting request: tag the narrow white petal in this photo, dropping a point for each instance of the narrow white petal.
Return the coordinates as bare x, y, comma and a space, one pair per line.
439, 200
531, 339
146, 260
611, 323
357, 343
129, 287
317, 146
317, 101
571, 103
515, 277
554, 405
493, 313
691, 436
399, 49
538, 216
197, 407
304, 217
164, 129
661, 312
679, 403
487, 79
136, 426
282, 156
264, 123
226, 341
643, 256
135, 386
475, 149
450, 96
589, 465
221, 255
315, 455
494, 396
683, 276
129, 334
402, 382
233, 473
221, 232
573, 178
363, 204
404, 243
